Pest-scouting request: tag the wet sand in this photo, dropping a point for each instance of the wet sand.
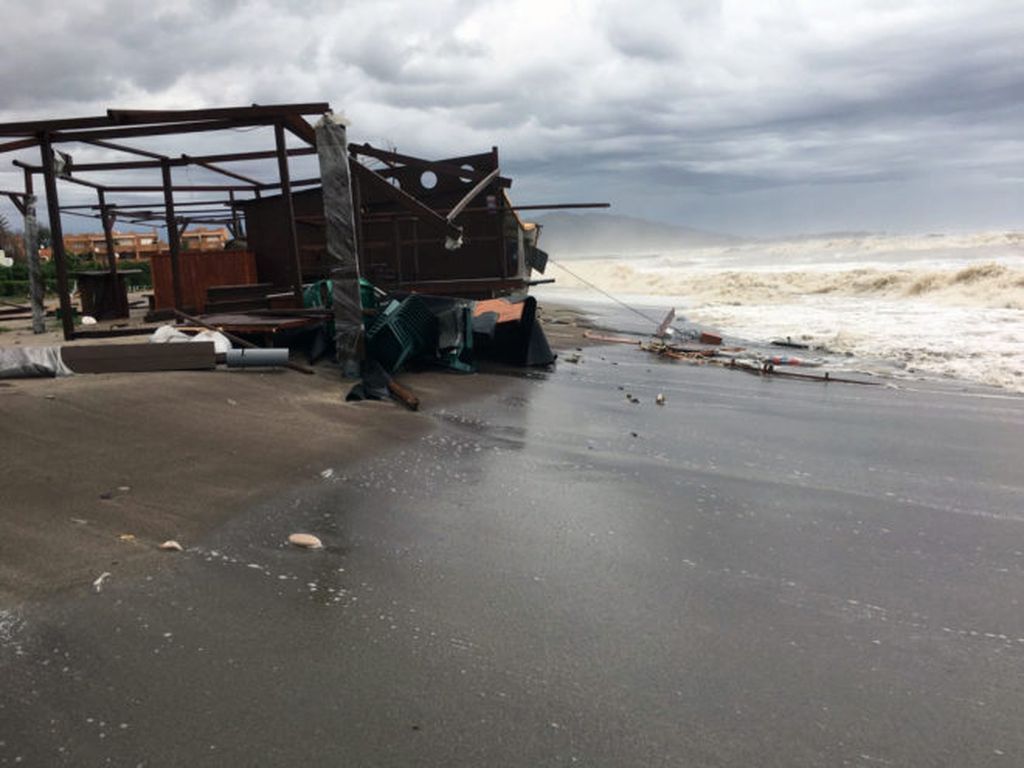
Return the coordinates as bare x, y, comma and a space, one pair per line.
545, 573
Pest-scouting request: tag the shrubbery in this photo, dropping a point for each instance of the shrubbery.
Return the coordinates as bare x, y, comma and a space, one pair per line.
14, 279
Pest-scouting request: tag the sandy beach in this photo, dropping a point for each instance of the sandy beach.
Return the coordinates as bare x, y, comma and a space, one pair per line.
533, 570
157, 456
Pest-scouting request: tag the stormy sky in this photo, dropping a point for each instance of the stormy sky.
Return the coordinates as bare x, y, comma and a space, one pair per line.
757, 117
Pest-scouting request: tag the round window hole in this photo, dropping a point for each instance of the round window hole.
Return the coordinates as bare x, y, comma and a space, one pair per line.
428, 180
469, 169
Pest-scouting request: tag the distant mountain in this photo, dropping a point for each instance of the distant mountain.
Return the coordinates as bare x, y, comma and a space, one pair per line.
600, 234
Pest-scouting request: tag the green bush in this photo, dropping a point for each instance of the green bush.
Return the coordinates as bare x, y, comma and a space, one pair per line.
14, 279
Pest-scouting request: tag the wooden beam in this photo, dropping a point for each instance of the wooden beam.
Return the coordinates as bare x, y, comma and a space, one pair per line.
35, 127
300, 128
36, 284
289, 209
419, 162
179, 187
173, 240
137, 358
12, 146
16, 199
57, 236
108, 235
154, 130
479, 187
223, 172
429, 217
136, 165
122, 148
264, 111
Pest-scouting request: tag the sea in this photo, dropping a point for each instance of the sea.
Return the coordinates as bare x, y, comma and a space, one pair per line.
940, 308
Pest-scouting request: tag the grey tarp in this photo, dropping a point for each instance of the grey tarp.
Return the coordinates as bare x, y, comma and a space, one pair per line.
37, 289
332, 149
32, 362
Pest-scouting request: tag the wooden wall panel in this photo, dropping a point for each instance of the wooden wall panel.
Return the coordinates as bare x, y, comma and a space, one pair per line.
199, 271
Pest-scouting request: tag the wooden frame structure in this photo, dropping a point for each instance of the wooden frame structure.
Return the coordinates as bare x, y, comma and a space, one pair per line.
107, 130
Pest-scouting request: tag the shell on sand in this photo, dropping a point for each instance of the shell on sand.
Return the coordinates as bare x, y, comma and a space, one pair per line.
307, 540
171, 546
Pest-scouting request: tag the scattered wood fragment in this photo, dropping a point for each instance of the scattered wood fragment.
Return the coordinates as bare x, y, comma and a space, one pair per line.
403, 395
611, 339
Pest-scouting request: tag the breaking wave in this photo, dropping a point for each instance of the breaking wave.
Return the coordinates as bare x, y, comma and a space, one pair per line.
948, 307
987, 284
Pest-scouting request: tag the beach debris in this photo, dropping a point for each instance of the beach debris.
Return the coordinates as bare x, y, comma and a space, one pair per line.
305, 540
126, 537
665, 327
124, 488
171, 546
788, 342
404, 395
327, 474
785, 360
573, 358
610, 339
79, 520
88, 320
660, 399
98, 583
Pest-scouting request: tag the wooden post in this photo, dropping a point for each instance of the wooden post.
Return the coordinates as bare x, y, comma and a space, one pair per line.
236, 230
173, 239
108, 235
289, 210
107, 217
57, 237
36, 285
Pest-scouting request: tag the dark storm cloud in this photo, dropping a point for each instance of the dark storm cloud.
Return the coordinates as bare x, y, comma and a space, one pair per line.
666, 107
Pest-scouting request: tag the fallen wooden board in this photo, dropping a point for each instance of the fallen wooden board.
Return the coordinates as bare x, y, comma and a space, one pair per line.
138, 358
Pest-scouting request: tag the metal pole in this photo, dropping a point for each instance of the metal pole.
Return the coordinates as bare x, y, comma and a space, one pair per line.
173, 239
36, 286
57, 237
289, 210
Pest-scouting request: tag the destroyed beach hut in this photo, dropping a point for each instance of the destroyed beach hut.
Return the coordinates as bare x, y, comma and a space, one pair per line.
444, 227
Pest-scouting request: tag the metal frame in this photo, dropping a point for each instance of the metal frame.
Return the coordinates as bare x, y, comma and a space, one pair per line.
105, 131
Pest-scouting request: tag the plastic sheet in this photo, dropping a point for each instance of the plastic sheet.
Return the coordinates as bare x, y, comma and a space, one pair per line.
332, 150
168, 334
32, 363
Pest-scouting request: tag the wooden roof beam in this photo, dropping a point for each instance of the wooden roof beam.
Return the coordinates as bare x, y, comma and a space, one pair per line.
264, 112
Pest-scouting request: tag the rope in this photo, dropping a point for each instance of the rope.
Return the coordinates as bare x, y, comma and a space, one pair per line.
602, 291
